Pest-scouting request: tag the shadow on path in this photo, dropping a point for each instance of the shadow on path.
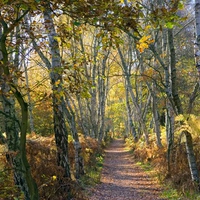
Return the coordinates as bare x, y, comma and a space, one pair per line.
121, 179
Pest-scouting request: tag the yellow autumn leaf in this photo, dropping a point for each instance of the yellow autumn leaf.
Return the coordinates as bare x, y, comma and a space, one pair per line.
144, 38
61, 93
54, 178
147, 28
57, 38
57, 83
144, 43
148, 73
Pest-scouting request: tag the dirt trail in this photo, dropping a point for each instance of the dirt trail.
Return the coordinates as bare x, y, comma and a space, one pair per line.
121, 179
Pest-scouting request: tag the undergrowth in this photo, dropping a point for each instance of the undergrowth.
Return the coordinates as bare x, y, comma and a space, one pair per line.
41, 152
94, 167
178, 185
93, 172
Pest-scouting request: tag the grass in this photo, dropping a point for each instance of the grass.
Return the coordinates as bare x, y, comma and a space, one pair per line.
93, 172
168, 191
92, 175
172, 194
145, 166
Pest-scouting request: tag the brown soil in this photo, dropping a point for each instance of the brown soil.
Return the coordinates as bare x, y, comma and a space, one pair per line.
122, 179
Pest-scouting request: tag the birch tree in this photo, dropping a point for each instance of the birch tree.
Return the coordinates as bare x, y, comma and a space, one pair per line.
197, 18
60, 129
133, 97
16, 155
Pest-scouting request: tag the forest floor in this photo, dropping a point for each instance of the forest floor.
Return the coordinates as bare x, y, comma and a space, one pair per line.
122, 178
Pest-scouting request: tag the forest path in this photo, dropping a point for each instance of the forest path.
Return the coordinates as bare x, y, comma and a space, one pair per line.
122, 179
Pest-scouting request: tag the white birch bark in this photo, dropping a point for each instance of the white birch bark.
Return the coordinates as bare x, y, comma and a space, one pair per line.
60, 129
131, 125
133, 97
102, 97
197, 18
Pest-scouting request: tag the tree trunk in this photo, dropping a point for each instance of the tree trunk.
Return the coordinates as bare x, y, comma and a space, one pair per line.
137, 107
169, 134
156, 120
60, 129
31, 185
130, 121
93, 92
13, 142
30, 107
197, 53
174, 86
191, 159
16, 155
193, 96
79, 166
81, 118
102, 97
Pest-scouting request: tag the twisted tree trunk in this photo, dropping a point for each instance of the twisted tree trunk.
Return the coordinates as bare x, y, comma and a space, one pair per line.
16, 155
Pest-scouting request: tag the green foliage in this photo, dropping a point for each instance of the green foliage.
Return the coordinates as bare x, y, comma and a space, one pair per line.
170, 193
76, 23
70, 138
167, 16
116, 109
43, 119
145, 166
170, 25
93, 171
153, 160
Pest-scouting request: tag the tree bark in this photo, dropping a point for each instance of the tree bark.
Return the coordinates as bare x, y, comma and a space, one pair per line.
60, 129
169, 134
174, 86
156, 118
81, 117
137, 107
197, 53
79, 165
30, 107
193, 96
191, 158
16, 155
130, 120
102, 97
93, 92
